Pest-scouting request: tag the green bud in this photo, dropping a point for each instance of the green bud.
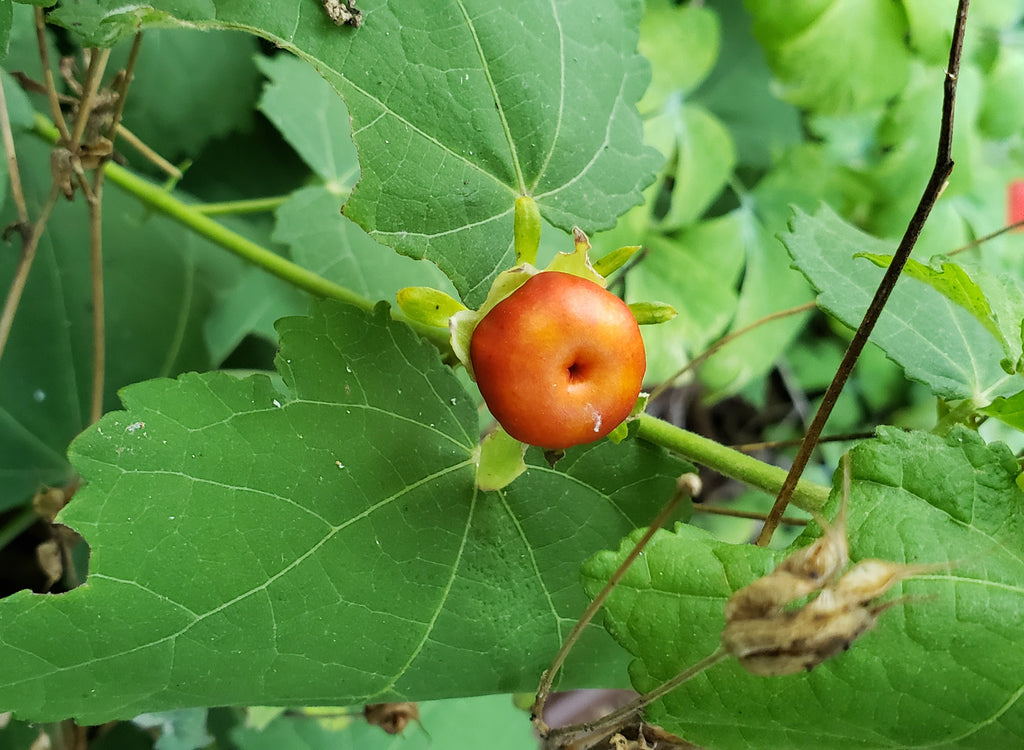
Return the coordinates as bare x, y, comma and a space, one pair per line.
652, 313
526, 230
616, 259
428, 306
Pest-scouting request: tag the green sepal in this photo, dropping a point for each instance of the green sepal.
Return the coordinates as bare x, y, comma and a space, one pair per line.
577, 262
427, 305
652, 313
620, 433
500, 460
526, 229
608, 264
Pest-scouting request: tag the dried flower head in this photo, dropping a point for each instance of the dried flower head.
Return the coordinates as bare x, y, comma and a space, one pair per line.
769, 637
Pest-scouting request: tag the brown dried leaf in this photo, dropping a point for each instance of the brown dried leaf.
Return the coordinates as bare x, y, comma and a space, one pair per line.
391, 717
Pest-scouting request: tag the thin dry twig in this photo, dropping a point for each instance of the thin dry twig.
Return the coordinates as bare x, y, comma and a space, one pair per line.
12, 163
95, 198
982, 240
161, 163
99, 336
93, 78
772, 444
936, 184
563, 736
732, 513
21, 273
707, 353
48, 82
688, 485
122, 89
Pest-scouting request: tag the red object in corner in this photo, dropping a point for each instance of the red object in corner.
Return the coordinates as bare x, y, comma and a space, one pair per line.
1015, 203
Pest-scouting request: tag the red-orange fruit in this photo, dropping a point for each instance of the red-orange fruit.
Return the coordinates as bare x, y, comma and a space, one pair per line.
559, 362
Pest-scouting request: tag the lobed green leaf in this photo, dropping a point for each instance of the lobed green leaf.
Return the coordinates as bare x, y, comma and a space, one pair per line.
436, 95
936, 340
327, 545
915, 498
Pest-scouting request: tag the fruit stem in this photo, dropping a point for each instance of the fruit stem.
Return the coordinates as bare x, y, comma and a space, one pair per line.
808, 495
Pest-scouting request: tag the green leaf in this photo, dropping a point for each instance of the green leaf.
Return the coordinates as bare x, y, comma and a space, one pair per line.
1002, 113
697, 273
183, 729
682, 42
769, 286
703, 155
953, 282
321, 239
101, 23
438, 112
337, 525
1008, 409
6, 20
738, 91
814, 47
311, 117
175, 106
915, 498
934, 339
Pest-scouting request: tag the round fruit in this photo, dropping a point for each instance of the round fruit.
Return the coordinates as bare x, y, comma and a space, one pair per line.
560, 361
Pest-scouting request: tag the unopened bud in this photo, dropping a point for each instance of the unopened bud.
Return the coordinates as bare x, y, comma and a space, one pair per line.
526, 229
608, 264
429, 306
652, 313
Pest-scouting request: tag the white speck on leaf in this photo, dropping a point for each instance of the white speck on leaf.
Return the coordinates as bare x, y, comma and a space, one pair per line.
277, 403
135, 426
39, 395
339, 464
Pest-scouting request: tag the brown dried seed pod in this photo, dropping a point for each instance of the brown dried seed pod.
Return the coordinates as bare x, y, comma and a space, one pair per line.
869, 579
795, 641
805, 571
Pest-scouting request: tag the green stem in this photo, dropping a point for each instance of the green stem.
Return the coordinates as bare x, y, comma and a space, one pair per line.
192, 217
808, 495
251, 206
731, 463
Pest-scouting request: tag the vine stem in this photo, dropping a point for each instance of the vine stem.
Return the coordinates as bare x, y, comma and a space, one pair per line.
718, 345
248, 206
688, 485
936, 184
806, 495
193, 218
